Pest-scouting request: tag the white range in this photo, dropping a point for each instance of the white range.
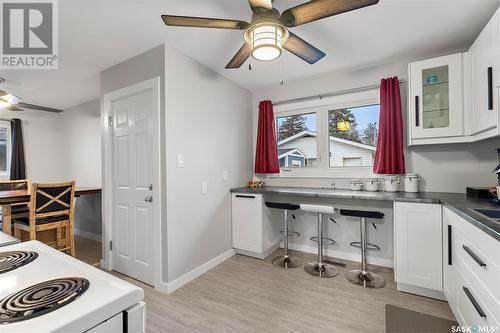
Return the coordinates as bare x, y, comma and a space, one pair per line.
7, 240
44, 290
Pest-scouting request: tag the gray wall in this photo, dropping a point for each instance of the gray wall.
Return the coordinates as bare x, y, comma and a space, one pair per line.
444, 168
208, 121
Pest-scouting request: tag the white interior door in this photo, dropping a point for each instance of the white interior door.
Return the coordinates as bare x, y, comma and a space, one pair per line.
134, 185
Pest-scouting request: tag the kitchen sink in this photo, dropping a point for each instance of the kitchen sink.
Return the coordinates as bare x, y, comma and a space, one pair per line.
493, 214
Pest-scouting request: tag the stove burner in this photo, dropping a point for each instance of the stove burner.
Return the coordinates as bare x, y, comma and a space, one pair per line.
41, 298
14, 259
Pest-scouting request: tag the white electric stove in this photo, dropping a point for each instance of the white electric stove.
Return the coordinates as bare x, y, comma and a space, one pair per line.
7, 240
44, 290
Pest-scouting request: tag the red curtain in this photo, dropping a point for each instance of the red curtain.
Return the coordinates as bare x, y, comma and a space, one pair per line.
389, 157
266, 153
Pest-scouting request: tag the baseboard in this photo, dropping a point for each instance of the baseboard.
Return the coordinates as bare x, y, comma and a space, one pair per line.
356, 257
189, 276
420, 291
258, 255
87, 235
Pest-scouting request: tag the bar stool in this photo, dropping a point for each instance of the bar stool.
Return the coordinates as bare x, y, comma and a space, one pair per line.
285, 260
319, 268
363, 277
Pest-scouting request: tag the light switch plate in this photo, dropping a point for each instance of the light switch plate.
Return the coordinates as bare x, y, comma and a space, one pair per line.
204, 188
180, 160
225, 175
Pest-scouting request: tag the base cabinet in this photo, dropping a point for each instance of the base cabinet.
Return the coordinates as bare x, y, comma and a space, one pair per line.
254, 228
418, 248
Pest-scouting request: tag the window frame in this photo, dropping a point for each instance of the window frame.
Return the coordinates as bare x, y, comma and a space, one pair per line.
321, 107
5, 175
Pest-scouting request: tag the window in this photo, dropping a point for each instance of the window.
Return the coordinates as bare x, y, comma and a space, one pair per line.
353, 134
297, 140
4, 149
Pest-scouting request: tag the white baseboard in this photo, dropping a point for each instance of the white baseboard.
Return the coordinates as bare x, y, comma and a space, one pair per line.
436, 294
257, 255
88, 235
189, 276
351, 256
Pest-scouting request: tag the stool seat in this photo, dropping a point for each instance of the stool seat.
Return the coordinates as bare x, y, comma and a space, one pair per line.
317, 209
362, 213
281, 205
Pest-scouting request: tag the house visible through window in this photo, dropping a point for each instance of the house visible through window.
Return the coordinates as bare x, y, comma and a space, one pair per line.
353, 134
297, 142
4, 149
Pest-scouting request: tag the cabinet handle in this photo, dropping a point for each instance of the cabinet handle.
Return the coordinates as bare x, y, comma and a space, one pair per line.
417, 117
245, 196
490, 88
474, 302
474, 256
449, 246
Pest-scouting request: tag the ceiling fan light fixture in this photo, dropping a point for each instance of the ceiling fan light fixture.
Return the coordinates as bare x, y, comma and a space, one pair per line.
266, 40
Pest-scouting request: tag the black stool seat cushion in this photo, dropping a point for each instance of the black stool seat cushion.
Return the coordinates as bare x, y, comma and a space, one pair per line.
362, 213
281, 205
50, 219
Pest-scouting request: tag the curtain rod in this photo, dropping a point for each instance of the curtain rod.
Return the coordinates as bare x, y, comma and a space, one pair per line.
336, 93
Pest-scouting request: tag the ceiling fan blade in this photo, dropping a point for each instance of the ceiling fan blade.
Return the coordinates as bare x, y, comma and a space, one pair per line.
3, 93
204, 22
265, 4
303, 49
240, 57
13, 108
38, 107
318, 9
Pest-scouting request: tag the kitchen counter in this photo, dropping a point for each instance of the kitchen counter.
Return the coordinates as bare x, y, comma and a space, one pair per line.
457, 202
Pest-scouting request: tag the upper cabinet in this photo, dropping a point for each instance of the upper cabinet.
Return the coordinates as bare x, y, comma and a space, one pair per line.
455, 98
436, 104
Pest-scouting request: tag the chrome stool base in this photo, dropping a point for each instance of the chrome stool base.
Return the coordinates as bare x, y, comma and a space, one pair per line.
321, 270
365, 279
287, 261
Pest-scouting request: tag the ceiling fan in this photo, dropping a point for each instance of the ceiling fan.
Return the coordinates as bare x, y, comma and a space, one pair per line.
268, 33
11, 102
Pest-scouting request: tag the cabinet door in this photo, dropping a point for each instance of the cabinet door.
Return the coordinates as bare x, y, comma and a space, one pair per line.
484, 57
418, 239
449, 267
247, 222
436, 100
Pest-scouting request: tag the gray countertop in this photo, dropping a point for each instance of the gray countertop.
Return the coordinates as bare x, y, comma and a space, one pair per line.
457, 202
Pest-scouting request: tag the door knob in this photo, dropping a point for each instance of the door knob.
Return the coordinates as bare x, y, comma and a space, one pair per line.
148, 199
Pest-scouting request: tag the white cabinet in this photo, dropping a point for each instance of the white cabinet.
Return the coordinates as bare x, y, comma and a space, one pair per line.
255, 229
471, 269
484, 61
436, 98
418, 248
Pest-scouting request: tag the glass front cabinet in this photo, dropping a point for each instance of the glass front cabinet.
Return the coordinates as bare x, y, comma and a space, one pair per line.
436, 98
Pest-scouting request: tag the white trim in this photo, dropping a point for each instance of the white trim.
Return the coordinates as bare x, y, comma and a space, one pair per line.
420, 291
107, 174
193, 274
88, 235
5, 175
351, 256
291, 153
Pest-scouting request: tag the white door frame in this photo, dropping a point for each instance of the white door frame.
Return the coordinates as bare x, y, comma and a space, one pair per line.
107, 174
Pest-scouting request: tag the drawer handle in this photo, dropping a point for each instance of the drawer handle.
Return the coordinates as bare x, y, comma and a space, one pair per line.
474, 302
490, 88
417, 115
450, 247
474, 256
245, 196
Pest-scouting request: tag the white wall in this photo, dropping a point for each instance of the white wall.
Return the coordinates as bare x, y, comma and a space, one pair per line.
444, 168
208, 121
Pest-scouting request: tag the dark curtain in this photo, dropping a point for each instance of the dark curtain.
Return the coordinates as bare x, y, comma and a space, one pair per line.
389, 157
17, 163
266, 153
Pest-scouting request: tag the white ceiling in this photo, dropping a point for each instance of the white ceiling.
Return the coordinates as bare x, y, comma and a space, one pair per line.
96, 34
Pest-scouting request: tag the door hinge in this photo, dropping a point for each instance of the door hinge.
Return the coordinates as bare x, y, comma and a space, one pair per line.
110, 121
111, 245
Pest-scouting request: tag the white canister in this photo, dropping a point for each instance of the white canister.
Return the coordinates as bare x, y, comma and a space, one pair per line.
356, 185
412, 181
391, 183
372, 185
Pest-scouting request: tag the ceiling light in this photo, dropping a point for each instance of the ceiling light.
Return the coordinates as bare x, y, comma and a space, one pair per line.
266, 40
343, 126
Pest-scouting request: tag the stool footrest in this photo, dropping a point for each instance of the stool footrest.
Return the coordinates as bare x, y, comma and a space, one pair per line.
369, 246
327, 240
291, 233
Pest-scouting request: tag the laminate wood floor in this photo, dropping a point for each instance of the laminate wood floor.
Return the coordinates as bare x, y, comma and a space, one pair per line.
249, 295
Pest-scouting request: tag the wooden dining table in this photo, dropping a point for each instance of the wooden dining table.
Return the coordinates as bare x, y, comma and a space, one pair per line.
22, 197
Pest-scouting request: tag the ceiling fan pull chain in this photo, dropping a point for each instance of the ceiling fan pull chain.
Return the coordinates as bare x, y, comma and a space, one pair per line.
250, 64
282, 81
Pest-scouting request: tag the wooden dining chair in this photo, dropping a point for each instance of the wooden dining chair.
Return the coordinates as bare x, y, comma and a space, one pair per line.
51, 207
18, 209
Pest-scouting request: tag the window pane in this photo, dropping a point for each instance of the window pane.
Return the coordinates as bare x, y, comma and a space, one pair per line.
297, 146
353, 136
3, 149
